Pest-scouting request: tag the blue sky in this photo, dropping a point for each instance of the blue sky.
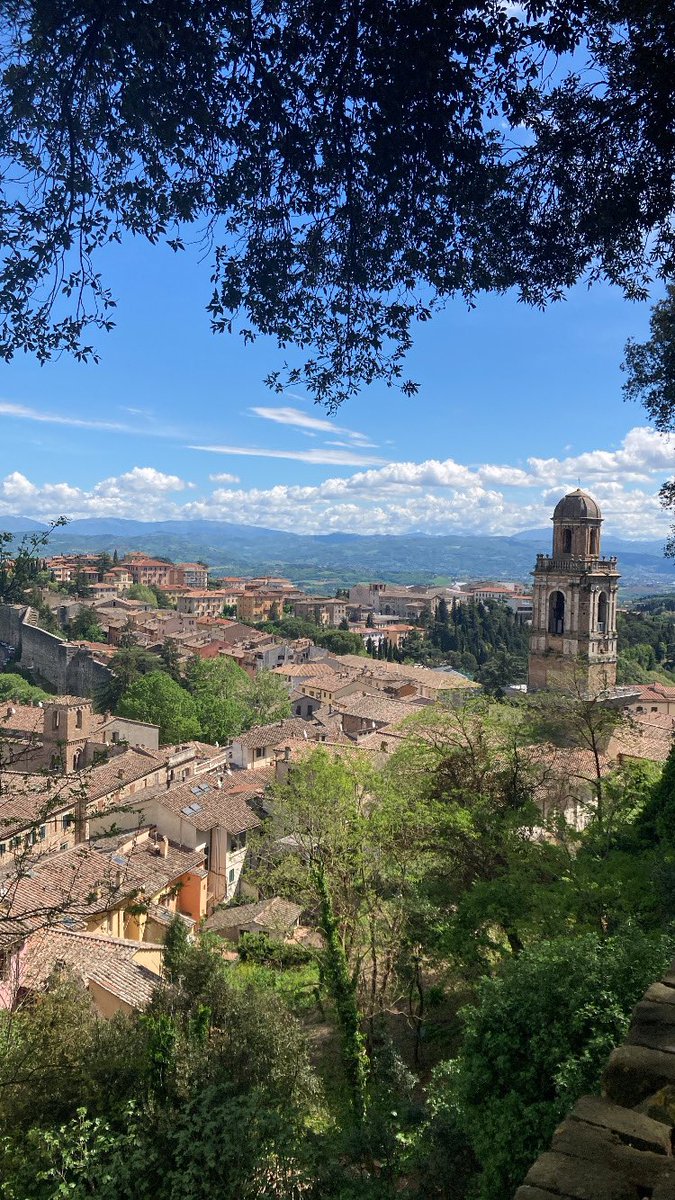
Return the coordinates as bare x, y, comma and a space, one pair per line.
514, 406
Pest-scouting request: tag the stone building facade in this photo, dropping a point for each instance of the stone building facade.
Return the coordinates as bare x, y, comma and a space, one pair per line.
573, 642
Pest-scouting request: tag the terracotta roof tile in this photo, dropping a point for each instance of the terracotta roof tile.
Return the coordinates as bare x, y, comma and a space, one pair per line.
274, 914
114, 964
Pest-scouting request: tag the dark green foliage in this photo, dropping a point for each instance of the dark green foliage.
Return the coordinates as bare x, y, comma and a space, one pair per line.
271, 952
176, 948
483, 640
170, 659
343, 992
85, 626
650, 379
157, 698
16, 687
207, 1094
538, 1037
128, 665
336, 640
656, 822
650, 365
446, 149
647, 643
140, 591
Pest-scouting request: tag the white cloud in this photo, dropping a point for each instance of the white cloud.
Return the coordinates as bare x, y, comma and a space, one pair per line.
17, 487
335, 458
435, 496
140, 481
224, 477
142, 493
298, 419
23, 412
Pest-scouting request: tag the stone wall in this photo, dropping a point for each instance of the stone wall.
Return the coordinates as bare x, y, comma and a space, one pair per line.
69, 669
620, 1146
11, 616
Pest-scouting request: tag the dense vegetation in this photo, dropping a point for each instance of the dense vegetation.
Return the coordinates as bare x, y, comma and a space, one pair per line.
485, 641
472, 981
338, 641
212, 699
647, 642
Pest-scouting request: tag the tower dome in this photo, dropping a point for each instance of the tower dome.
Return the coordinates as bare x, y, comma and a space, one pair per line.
577, 506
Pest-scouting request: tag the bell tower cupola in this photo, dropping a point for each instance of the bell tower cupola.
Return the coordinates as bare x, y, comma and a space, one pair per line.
573, 638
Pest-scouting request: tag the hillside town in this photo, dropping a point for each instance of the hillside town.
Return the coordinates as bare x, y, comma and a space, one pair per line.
235, 733
109, 833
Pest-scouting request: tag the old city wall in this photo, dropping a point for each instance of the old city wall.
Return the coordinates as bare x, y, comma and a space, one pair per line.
43, 654
52, 661
11, 616
84, 676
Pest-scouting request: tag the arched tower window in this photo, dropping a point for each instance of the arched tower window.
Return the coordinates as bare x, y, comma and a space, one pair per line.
593, 543
602, 612
556, 613
567, 541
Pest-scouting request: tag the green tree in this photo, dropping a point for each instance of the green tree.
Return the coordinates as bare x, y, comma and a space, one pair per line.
104, 562
157, 698
85, 627
127, 666
139, 591
538, 1037
219, 688
171, 659
656, 822
266, 699
403, 108
15, 687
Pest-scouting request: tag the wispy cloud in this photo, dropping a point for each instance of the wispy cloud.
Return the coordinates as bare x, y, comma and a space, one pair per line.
320, 457
147, 424
25, 413
224, 477
298, 419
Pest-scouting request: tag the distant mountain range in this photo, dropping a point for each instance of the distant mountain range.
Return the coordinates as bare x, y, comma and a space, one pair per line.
323, 561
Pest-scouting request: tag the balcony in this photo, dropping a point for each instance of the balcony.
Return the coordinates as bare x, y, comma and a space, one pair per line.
575, 566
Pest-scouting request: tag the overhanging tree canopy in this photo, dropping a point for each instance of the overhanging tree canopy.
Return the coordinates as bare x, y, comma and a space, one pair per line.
347, 164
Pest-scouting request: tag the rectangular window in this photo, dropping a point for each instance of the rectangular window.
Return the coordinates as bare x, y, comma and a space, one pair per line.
230, 875
66, 821
3, 849
43, 832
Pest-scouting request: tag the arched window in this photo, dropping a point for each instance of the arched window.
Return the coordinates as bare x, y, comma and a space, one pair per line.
594, 542
556, 613
602, 612
567, 541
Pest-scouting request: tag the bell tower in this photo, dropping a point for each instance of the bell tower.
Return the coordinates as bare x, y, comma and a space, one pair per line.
573, 638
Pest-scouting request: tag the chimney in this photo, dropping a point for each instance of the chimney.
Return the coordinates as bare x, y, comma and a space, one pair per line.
165, 846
